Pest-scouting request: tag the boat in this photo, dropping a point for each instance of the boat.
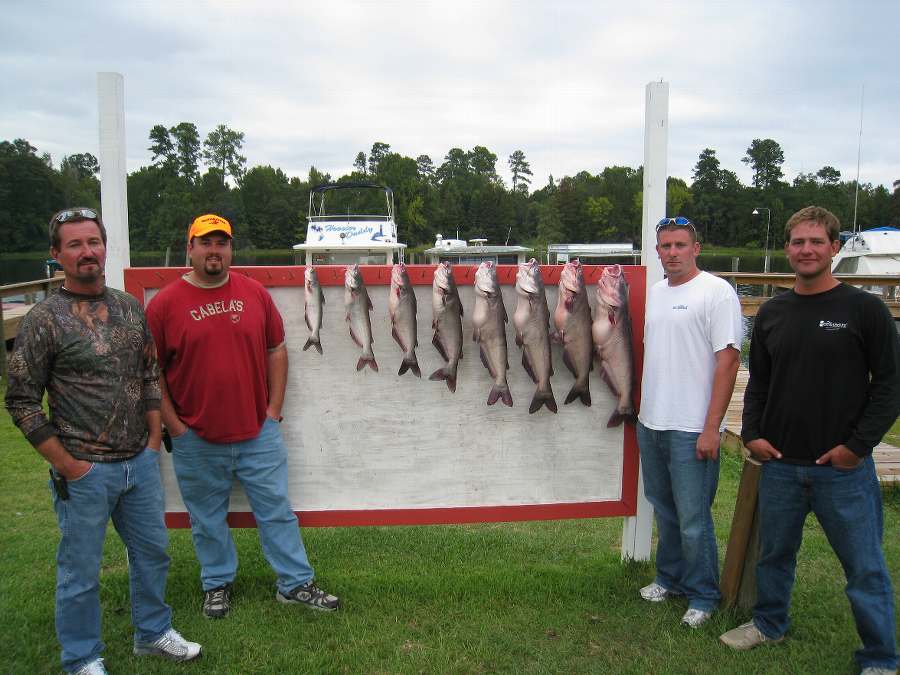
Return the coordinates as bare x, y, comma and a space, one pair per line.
473, 252
873, 251
347, 238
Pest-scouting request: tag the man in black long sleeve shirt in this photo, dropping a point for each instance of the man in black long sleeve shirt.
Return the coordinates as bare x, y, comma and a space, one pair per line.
824, 388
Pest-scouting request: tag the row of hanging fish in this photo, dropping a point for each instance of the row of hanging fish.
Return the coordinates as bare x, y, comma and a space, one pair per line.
604, 339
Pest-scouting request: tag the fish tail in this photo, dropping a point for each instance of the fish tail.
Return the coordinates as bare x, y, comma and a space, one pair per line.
313, 342
500, 394
366, 361
618, 417
410, 363
542, 398
579, 391
445, 375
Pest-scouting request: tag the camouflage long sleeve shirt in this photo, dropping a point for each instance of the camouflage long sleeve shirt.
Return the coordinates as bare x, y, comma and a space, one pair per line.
94, 356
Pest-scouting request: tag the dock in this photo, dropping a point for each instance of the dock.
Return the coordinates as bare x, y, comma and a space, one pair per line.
886, 456
11, 314
769, 280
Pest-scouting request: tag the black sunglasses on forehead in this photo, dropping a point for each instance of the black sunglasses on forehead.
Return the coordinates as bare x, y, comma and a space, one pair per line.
677, 222
76, 214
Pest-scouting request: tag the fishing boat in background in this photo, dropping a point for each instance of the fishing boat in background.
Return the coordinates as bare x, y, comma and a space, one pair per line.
364, 238
870, 252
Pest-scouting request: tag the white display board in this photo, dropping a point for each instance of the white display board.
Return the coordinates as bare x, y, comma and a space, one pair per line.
371, 447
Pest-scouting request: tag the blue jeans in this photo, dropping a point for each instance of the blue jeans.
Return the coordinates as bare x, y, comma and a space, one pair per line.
205, 473
847, 504
131, 493
681, 489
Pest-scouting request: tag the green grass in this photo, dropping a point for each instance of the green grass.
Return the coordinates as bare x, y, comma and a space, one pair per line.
893, 436
544, 597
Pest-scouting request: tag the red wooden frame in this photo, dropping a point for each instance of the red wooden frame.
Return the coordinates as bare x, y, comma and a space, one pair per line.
139, 280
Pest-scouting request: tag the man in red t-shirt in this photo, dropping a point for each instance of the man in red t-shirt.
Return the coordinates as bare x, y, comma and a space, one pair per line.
220, 341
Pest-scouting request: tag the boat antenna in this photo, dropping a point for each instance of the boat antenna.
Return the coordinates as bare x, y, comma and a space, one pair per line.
862, 96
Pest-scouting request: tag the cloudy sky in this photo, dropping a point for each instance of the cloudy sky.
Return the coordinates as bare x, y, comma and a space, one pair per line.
312, 84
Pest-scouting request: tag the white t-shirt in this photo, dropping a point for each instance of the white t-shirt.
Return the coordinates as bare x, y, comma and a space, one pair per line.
684, 327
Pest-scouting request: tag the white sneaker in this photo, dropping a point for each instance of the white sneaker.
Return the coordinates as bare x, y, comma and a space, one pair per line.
170, 646
94, 667
656, 593
695, 618
875, 670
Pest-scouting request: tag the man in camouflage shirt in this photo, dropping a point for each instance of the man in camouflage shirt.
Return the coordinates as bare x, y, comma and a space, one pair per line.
89, 348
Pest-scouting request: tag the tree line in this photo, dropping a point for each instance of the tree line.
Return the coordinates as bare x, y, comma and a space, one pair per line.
463, 193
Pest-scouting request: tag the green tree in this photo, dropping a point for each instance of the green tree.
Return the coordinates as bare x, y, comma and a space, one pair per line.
425, 167
359, 164
29, 194
521, 172
78, 179
220, 149
162, 148
765, 157
378, 151
187, 150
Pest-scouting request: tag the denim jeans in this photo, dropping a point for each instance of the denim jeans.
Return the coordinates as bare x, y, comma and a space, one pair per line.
131, 493
681, 489
205, 473
847, 504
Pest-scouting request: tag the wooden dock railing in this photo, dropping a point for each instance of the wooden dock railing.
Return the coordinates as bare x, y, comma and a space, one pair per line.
9, 325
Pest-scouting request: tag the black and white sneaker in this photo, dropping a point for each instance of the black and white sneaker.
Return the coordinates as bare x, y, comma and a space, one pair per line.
217, 602
310, 595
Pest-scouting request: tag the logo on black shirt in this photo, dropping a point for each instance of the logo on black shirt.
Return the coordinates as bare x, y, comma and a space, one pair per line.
831, 325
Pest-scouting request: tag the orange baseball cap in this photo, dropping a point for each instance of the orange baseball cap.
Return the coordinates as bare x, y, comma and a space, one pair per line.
208, 223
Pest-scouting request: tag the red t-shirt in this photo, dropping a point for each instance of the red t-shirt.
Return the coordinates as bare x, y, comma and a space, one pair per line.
213, 346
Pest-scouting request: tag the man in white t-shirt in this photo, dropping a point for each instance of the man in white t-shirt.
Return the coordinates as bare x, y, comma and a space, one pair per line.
692, 341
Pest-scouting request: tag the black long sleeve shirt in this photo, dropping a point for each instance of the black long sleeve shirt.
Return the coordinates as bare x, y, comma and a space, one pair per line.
824, 371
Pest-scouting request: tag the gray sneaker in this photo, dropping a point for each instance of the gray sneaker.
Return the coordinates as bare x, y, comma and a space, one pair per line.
170, 646
656, 593
747, 636
217, 602
695, 618
94, 667
875, 670
310, 595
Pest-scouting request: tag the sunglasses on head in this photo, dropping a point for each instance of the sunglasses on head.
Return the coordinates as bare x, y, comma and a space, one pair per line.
76, 214
677, 222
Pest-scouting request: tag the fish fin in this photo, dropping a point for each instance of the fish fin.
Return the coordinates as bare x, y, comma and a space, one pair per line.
410, 364
541, 399
578, 392
528, 368
460, 308
369, 302
355, 339
445, 375
486, 363
363, 362
557, 337
519, 341
606, 377
308, 324
618, 417
322, 296
397, 338
500, 394
313, 343
569, 365
436, 341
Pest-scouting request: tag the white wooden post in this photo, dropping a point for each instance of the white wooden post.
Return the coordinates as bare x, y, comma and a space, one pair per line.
638, 529
113, 184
